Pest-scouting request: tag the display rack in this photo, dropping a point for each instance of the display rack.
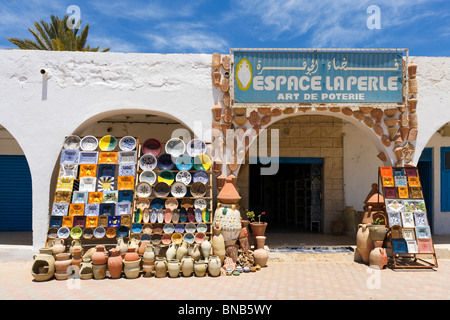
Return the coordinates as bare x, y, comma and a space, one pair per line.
406, 216
78, 217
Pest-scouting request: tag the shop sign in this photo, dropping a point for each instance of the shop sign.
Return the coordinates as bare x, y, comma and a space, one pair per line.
317, 77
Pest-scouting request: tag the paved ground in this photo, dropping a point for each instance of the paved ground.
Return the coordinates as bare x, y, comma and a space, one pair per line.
280, 280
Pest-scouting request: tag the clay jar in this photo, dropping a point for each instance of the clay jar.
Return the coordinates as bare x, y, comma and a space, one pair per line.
228, 217
173, 266
182, 251
122, 246
261, 256
132, 268
171, 253
218, 244
200, 267
100, 256
195, 253
57, 246
206, 249
378, 257
260, 242
44, 259
76, 257
258, 229
115, 264
187, 266
63, 265
160, 267
149, 254
214, 266
364, 243
131, 255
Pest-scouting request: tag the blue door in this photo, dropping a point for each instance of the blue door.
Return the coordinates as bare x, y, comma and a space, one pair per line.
15, 194
425, 167
445, 179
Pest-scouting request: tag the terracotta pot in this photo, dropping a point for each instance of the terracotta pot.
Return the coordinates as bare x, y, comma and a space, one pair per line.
260, 242
232, 252
261, 256
377, 232
258, 229
132, 269
229, 194
44, 259
131, 255
214, 266
76, 257
75, 244
115, 264
244, 240
378, 257
63, 263
412, 69
100, 256
187, 266
364, 243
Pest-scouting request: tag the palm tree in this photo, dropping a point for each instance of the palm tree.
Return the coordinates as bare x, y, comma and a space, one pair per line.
56, 36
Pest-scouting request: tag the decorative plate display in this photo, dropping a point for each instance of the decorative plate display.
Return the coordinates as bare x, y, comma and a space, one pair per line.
65, 184
179, 227
152, 146
146, 237
55, 222
396, 232
110, 233
103, 221
123, 208
160, 215
415, 205
68, 170
165, 162
202, 227
126, 195
76, 209
178, 190
136, 228
143, 190
63, 232
79, 221
147, 162
199, 237
166, 176
125, 220
157, 203
420, 219
202, 162
111, 196
175, 216
67, 222
105, 184
156, 239
386, 172
107, 157
106, 170
414, 181
99, 232
388, 182
183, 215
175, 147
200, 204
408, 234
89, 143
184, 162
177, 238
412, 246
60, 209
127, 157
184, 177
394, 219
107, 143
195, 147
198, 190
200, 176
127, 143
187, 203
198, 215
416, 193
113, 221
52, 233
157, 229
63, 196
403, 192
122, 231
145, 215
147, 228
205, 214
166, 238
425, 246
92, 209
95, 197
107, 209
394, 205
72, 142
398, 172
171, 204
167, 216
190, 214
408, 220
88, 233
76, 232
189, 238
125, 183
88, 170
399, 246
168, 228
142, 203
190, 227
161, 190
80, 197
423, 233
88, 157
147, 176
91, 222
411, 172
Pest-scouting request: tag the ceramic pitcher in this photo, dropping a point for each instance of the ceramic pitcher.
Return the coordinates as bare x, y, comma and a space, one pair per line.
57, 246
196, 253
182, 250
149, 254
206, 249
171, 253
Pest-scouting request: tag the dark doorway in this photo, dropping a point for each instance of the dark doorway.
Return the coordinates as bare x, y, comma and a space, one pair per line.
425, 168
292, 198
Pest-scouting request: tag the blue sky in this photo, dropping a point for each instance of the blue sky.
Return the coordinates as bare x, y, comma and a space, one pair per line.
207, 26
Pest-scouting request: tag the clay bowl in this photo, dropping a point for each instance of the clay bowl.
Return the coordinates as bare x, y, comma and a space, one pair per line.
152, 146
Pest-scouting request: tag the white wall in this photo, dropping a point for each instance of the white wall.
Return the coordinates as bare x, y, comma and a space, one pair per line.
85, 87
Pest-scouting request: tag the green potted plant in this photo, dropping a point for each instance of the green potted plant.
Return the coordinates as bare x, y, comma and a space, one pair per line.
258, 227
377, 229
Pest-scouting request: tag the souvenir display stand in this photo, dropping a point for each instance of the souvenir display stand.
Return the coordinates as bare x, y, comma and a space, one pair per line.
93, 202
409, 231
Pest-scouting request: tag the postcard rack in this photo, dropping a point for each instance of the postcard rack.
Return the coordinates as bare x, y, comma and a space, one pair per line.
409, 231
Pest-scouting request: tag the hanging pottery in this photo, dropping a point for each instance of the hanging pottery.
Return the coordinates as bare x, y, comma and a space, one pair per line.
412, 86
358, 115
377, 115
390, 112
368, 122
335, 109
288, 110
276, 112
226, 62
254, 118
225, 85
347, 111
227, 115
413, 120
378, 130
217, 112
403, 120
226, 99
266, 120
404, 132
385, 140
216, 78
412, 135
390, 122
392, 132
412, 104
412, 69
215, 64
240, 120
239, 111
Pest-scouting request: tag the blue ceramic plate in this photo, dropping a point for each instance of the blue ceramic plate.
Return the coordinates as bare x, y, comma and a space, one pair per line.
183, 215
190, 227
99, 232
202, 227
168, 228
63, 232
200, 176
88, 157
136, 228
122, 232
179, 227
198, 215
189, 238
146, 237
127, 143
157, 203
69, 156
195, 147
175, 147
89, 143
147, 162
153, 215
165, 162
72, 142
184, 162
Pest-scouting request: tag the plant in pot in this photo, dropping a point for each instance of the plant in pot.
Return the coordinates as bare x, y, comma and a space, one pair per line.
377, 229
258, 227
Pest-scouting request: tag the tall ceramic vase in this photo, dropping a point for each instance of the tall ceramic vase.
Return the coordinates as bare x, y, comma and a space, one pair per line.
115, 264
182, 251
228, 217
160, 267
261, 255
218, 244
364, 243
206, 249
187, 266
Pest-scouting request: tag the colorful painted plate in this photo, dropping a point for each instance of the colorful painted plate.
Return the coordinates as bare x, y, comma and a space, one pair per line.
146, 237
200, 176
175, 216
88, 233
166, 238
89, 143
189, 237
179, 227
175, 147
88, 157
99, 232
199, 237
152, 146
178, 190
157, 203
184, 162
69, 156
166, 176
198, 190
108, 143
171, 203
136, 228
147, 162
198, 215
123, 208
202, 162
195, 147
110, 233
190, 227
72, 142
202, 227
184, 177
161, 190
147, 176
143, 190
63, 232
177, 238
122, 232
128, 157
147, 228
156, 239
127, 143
200, 204
127, 169
168, 228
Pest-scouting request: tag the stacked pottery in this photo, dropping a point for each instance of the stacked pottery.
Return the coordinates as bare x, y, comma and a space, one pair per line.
160, 267
218, 243
173, 266
63, 266
132, 263
378, 256
261, 255
99, 260
86, 272
115, 264
76, 258
214, 266
200, 267
148, 261
43, 267
187, 266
